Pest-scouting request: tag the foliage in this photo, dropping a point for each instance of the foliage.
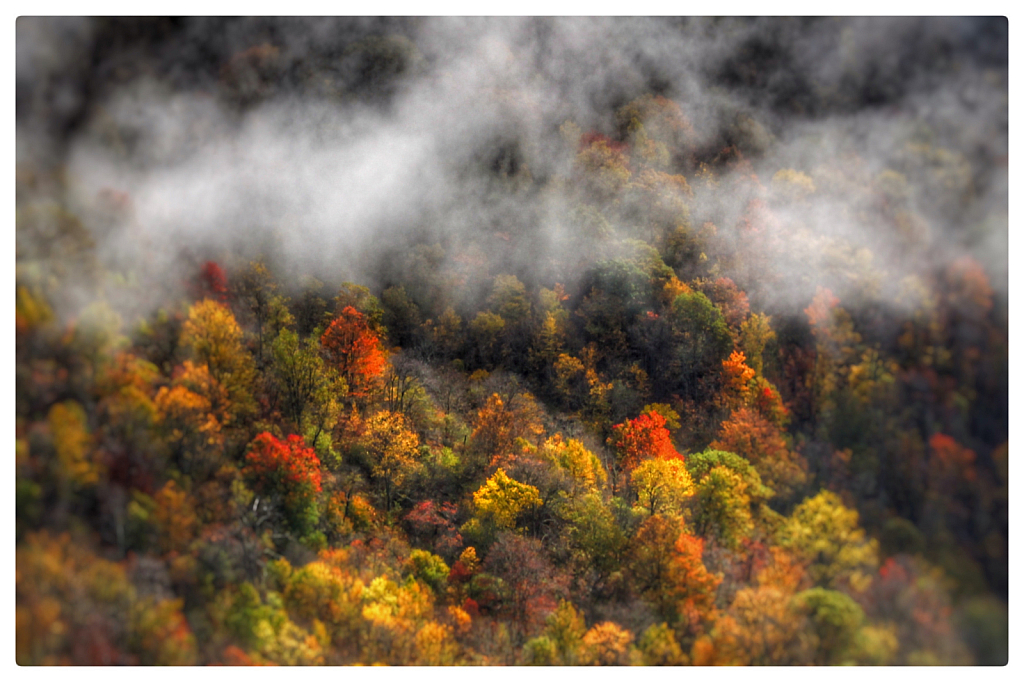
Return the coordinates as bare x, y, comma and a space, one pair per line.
392, 449
354, 349
288, 472
826, 533
501, 500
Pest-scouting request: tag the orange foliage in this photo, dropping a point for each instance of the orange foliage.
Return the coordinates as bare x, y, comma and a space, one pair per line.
691, 584
737, 377
642, 438
951, 462
819, 313
355, 350
498, 425
748, 434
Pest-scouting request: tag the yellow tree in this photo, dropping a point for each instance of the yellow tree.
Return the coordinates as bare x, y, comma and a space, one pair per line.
583, 468
607, 643
502, 500
214, 338
662, 486
826, 534
73, 443
392, 448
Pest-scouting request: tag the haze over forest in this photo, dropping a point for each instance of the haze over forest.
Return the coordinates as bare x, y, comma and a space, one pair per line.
511, 340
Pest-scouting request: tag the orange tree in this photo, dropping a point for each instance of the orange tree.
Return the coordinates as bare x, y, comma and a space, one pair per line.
355, 350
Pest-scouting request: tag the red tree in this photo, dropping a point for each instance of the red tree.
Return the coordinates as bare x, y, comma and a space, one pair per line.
213, 283
287, 470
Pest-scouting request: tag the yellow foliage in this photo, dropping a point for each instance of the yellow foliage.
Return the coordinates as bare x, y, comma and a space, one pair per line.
502, 499
583, 466
434, 645
606, 644
72, 441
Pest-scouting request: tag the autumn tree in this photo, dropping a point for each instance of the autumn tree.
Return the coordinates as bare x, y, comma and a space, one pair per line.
662, 486
309, 389
214, 338
761, 626
751, 436
607, 643
581, 466
354, 349
392, 449
636, 440
755, 335
212, 282
501, 500
649, 559
658, 646
192, 413
76, 461
689, 584
500, 422
289, 473
737, 377
721, 506
175, 518
825, 533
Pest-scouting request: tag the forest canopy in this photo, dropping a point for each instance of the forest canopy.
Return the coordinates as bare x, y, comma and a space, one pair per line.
511, 341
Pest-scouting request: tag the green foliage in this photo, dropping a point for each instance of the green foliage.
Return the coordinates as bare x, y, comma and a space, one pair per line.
701, 463
659, 646
721, 507
703, 340
835, 619
429, 568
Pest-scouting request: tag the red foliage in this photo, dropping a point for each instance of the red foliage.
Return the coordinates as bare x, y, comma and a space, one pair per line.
355, 350
287, 467
459, 574
211, 283
642, 438
437, 523
769, 403
471, 607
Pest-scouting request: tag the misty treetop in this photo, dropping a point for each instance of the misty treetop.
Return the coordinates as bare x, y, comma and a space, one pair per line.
442, 341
